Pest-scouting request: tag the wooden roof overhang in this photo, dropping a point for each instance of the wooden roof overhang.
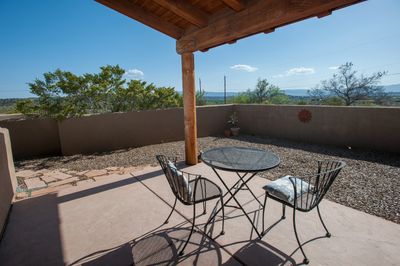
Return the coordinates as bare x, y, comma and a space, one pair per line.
198, 25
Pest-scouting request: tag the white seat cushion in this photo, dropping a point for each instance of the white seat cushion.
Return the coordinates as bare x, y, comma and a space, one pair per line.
282, 188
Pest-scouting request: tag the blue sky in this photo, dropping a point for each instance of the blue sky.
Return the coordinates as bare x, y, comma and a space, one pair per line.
82, 35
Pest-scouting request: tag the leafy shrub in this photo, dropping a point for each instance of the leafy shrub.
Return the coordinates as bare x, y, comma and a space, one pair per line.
62, 94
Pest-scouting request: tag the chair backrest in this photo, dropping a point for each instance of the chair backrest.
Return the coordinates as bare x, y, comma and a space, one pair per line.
317, 185
176, 182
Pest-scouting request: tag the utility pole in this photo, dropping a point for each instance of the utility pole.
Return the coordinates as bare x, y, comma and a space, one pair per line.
224, 89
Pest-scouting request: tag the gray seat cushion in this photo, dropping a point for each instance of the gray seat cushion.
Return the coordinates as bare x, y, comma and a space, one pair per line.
282, 188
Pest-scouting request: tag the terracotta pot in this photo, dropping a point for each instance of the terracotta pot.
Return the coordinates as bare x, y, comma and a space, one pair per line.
227, 133
235, 131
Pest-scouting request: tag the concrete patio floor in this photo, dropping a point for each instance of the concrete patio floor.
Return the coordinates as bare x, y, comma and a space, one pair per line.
118, 221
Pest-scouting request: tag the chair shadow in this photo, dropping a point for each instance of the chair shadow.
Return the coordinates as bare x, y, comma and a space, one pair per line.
255, 251
158, 247
258, 252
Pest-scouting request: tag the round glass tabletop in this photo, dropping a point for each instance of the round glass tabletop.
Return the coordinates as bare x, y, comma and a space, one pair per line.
240, 159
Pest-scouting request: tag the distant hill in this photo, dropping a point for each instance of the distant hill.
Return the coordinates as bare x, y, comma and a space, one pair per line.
296, 92
213, 94
392, 88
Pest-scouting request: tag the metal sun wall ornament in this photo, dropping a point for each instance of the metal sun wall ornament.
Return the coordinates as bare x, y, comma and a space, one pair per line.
304, 116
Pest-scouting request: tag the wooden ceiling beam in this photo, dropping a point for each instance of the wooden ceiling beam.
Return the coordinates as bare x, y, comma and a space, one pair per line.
186, 11
237, 5
259, 16
136, 12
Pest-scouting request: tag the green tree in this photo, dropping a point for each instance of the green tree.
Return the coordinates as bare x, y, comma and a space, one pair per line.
279, 98
265, 92
27, 107
62, 94
243, 97
351, 88
139, 95
103, 87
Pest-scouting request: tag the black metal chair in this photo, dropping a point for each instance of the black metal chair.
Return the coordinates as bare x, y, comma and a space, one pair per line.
303, 193
189, 189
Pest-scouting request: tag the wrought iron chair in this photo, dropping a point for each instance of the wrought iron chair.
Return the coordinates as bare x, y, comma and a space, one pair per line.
189, 189
303, 193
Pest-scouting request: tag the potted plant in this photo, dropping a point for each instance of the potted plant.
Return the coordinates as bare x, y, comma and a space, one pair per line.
233, 122
227, 132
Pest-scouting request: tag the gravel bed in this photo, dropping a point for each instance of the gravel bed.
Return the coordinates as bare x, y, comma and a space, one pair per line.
370, 182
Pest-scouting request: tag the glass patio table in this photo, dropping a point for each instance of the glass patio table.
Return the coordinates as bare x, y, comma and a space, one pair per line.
246, 163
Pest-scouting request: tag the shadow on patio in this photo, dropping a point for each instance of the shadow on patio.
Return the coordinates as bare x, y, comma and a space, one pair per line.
119, 222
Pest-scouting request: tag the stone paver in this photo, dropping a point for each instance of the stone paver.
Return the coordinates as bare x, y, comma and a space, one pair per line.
132, 169
63, 182
48, 178
82, 173
93, 173
43, 171
26, 173
71, 172
48, 190
57, 175
35, 183
54, 180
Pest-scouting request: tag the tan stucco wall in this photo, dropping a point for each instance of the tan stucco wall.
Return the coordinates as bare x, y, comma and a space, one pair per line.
362, 127
8, 182
33, 137
113, 131
106, 132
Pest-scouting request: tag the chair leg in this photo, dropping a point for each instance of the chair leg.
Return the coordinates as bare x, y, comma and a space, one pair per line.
223, 215
305, 261
323, 224
173, 208
283, 211
263, 215
191, 231
204, 193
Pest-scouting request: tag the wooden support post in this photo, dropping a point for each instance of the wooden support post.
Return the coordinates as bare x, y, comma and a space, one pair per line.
189, 108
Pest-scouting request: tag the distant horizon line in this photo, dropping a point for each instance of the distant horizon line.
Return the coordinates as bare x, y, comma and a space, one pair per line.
221, 91
285, 89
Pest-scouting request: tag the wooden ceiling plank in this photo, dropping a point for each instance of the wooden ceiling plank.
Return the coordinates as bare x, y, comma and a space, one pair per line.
186, 11
260, 16
324, 14
237, 5
137, 12
269, 31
